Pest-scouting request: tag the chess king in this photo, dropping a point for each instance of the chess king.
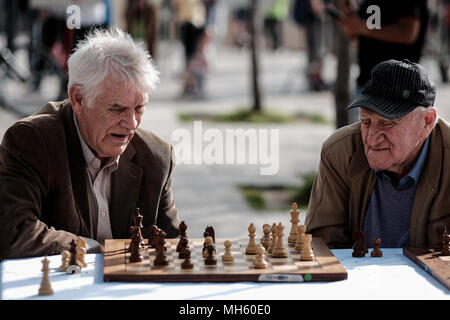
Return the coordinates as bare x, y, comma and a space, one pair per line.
81, 166
389, 174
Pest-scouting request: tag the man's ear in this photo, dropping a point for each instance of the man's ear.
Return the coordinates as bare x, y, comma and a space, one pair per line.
430, 119
76, 99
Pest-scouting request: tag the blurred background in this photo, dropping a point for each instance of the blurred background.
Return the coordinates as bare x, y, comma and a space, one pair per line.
250, 64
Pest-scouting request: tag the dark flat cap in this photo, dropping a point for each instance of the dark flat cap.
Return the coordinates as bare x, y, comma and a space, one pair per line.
395, 89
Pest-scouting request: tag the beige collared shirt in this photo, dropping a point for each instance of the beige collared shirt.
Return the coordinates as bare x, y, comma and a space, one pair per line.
99, 190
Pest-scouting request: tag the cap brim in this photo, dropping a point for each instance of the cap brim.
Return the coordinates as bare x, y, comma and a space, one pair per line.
386, 108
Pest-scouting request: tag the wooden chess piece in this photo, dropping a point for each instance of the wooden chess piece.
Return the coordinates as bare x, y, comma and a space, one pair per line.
307, 252
81, 252
210, 258
46, 287
440, 232
227, 256
251, 247
266, 238
279, 251
183, 244
160, 259
446, 247
265, 225
260, 262
187, 264
376, 251
137, 222
135, 245
65, 259
209, 232
152, 236
274, 231
294, 220
301, 229
359, 247
182, 228
208, 241
74, 266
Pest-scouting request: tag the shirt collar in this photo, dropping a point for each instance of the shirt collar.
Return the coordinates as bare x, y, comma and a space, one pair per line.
91, 159
413, 176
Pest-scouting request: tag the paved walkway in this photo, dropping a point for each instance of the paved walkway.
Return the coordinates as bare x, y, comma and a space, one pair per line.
207, 194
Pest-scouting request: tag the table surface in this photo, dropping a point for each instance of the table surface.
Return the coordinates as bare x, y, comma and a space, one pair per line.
392, 276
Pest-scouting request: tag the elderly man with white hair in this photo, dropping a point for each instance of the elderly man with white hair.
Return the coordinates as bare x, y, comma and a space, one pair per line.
82, 166
389, 174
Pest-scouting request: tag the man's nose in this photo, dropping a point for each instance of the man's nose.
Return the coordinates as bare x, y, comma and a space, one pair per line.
130, 120
374, 136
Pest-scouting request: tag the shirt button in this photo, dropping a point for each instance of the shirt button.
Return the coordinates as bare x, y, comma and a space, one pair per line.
102, 214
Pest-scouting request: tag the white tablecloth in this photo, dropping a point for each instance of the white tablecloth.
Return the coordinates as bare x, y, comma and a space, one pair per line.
393, 276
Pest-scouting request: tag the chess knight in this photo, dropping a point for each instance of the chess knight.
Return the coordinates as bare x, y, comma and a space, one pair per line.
81, 166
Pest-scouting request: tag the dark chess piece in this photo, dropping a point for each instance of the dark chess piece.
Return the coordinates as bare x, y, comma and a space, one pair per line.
446, 247
151, 239
440, 232
182, 228
187, 264
359, 247
160, 259
135, 245
183, 244
210, 258
376, 252
209, 232
137, 222
73, 254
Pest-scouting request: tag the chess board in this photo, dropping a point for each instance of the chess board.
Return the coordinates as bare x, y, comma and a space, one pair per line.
432, 262
325, 266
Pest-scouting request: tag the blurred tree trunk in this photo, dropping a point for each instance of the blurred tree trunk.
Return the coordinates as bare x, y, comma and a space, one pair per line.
255, 31
342, 84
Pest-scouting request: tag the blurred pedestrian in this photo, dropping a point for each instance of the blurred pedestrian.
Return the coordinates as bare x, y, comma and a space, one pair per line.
142, 22
275, 14
191, 19
310, 15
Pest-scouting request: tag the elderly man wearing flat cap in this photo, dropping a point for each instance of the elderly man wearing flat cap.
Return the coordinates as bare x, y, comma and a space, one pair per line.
389, 174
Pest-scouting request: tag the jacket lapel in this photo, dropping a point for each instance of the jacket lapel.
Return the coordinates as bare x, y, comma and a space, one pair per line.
78, 174
125, 186
427, 189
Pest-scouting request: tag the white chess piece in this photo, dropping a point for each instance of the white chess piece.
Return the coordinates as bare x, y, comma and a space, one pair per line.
279, 251
294, 220
46, 287
227, 256
260, 262
251, 248
307, 253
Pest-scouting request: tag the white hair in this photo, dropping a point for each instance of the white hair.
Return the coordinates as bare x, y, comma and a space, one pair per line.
110, 53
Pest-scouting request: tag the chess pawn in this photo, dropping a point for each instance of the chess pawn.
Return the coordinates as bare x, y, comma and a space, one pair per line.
294, 220
251, 248
46, 287
210, 259
266, 239
208, 241
187, 264
274, 231
301, 229
65, 259
307, 252
227, 256
279, 251
81, 252
376, 252
260, 261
